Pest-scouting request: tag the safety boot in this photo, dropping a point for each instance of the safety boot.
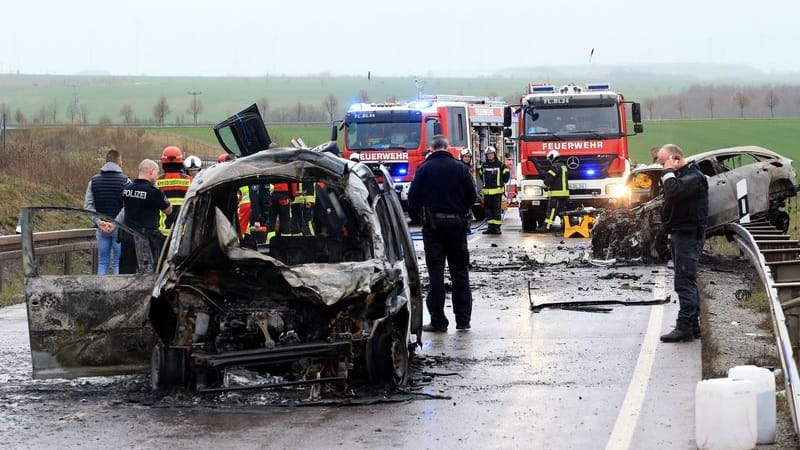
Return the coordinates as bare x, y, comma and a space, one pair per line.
678, 335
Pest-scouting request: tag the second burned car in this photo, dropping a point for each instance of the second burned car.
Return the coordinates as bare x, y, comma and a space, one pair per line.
744, 183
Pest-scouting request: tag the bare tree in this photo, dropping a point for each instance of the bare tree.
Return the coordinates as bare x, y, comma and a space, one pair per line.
710, 104
72, 112
299, 111
41, 116
331, 106
681, 106
393, 99
20, 117
263, 106
741, 100
83, 113
52, 112
127, 113
160, 110
650, 104
363, 96
104, 120
195, 107
771, 101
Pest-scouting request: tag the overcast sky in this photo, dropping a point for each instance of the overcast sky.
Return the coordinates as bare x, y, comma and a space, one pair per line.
407, 37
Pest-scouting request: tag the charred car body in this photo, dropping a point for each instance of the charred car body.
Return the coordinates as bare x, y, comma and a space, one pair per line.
307, 308
744, 183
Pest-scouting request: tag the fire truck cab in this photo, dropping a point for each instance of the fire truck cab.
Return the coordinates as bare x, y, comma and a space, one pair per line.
397, 135
587, 126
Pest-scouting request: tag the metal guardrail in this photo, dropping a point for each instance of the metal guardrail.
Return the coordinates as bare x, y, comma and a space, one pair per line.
776, 258
48, 243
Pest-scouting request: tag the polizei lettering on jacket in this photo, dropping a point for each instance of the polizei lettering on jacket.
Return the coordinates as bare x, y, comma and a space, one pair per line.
383, 156
130, 193
579, 145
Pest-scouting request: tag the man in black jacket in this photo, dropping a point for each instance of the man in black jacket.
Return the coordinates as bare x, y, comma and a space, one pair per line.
442, 193
685, 212
104, 196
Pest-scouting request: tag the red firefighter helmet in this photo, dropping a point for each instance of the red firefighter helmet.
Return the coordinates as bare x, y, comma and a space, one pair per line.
172, 154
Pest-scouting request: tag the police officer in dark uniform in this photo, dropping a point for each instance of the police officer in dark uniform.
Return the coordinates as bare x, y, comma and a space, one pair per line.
685, 211
442, 193
142, 201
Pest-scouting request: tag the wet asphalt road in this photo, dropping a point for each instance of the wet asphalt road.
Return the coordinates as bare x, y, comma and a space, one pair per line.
557, 378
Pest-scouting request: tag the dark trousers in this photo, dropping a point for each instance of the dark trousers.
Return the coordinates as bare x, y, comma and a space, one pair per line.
447, 240
686, 247
302, 218
553, 208
280, 213
494, 213
128, 262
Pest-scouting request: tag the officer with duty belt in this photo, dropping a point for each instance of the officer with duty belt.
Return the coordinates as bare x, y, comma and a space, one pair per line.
442, 193
495, 175
557, 187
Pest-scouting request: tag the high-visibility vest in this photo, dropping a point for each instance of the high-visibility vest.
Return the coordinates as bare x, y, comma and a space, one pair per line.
174, 185
494, 174
561, 188
305, 193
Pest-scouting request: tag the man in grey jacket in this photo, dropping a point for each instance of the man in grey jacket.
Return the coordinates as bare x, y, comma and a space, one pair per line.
104, 196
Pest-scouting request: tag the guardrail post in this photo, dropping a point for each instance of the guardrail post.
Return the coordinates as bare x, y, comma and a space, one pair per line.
95, 260
67, 263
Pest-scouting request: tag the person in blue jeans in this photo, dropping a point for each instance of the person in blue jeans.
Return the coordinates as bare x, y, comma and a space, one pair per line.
104, 196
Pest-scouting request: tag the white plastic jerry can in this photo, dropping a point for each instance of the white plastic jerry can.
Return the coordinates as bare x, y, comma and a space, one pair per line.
725, 414
764, 385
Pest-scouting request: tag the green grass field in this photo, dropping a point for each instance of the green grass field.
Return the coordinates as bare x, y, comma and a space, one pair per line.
224, 96
695, 136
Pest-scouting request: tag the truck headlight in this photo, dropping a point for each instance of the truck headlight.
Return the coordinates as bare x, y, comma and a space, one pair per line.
617, 190
532, 191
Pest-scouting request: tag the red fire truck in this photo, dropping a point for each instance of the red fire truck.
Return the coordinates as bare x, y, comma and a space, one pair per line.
587, 126
398, 134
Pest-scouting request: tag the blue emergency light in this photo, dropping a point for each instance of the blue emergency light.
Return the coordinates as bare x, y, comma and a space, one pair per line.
598, 87
590, 172
399, 170
540, 89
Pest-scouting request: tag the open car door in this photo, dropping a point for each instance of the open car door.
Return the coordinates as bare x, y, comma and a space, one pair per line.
243, 133
86, 325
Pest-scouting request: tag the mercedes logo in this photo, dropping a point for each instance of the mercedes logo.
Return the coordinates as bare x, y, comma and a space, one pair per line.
573, 162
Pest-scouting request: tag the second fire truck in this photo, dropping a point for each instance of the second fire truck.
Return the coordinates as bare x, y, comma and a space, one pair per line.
587, 126
397, 135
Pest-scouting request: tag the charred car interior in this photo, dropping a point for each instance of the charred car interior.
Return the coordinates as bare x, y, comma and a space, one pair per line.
334, 300
744, 183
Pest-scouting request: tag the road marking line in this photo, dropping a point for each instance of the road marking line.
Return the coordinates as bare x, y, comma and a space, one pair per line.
622, 434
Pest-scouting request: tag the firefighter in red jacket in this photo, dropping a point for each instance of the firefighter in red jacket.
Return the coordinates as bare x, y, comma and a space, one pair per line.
173, 183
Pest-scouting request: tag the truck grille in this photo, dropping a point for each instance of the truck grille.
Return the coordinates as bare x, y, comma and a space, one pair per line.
589, 167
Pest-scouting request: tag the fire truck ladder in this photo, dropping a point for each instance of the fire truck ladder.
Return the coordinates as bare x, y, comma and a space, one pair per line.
776, 257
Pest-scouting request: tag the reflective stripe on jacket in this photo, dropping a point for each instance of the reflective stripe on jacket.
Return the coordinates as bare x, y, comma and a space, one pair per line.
556, 180
495, 175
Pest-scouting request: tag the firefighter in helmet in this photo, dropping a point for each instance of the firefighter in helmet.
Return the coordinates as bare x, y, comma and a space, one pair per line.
557, 187
495, 176
192, 165
173, 183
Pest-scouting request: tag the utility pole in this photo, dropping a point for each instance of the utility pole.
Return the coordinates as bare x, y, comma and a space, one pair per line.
194, 104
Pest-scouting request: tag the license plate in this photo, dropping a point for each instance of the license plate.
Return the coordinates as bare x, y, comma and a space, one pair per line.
577, 185
536, 202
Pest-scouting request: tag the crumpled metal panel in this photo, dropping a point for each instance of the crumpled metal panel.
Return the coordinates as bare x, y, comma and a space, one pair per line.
323, 283
87, 325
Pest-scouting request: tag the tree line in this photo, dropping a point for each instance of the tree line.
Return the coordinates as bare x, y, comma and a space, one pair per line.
329, 109
710, 101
